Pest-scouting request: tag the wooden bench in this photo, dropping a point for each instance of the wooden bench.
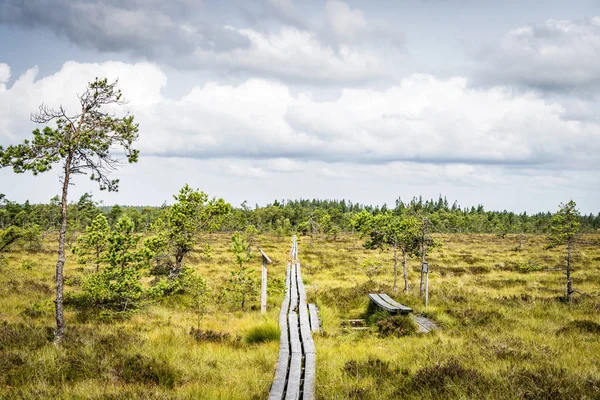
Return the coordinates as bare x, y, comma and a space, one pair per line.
385, 302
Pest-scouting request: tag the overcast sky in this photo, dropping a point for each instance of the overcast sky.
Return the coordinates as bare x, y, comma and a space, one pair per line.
491, 102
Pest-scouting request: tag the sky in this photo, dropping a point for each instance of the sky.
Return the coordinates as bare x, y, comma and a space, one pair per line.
484, 102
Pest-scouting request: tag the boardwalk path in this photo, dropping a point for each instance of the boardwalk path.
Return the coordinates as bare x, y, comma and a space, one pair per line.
295, 371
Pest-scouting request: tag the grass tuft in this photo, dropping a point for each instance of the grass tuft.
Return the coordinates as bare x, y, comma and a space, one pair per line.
146, 370
266, 332
580, 326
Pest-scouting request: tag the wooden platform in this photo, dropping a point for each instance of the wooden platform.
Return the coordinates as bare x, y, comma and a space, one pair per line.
315, 322
424, 324
296, 365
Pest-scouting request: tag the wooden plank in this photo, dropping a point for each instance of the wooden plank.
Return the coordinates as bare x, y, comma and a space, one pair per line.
402, 307
285, 306
315, 325
281, 369
294, 289
424, 324
294, 377
310, 372
300, 285
305, 334
295, 370
383, 304
278, 386
295, 345
284, 338
307, 340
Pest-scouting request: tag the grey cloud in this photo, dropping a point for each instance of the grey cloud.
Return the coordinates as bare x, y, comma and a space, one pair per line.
153, 29
277, 11
321, 153
556, 56
188, 35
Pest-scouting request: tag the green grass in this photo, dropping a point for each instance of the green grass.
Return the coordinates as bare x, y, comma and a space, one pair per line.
505, 331
265, 332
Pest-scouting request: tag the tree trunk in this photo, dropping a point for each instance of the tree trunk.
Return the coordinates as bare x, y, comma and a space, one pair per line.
569, 283
60, 263
405, 272
174, 273
395, 268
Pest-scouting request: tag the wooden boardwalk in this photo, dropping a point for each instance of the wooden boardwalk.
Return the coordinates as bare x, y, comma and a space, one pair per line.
425, 325
295, 371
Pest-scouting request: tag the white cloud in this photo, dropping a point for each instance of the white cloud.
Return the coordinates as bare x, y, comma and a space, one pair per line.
557, 54
141, 84
425, 132
296, 55
346, 23
422, 119
4, 74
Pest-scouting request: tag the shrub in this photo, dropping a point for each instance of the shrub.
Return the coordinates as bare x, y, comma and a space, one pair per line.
375, 314
580, 326
146, 370
117, 287
15, 336
267, 332
372, 367
397, 325
208, 335
347, 298
441, 376
550, 382
474, 316
36, 310
242, 287
371, 268
27, 265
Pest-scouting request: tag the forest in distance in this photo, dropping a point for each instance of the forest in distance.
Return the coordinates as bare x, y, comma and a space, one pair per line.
286, 216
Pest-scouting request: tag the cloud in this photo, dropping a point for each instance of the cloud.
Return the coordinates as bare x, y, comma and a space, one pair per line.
423, 120
295, 55
283, 11
4, 76
141, 84
557, 55
346, 23
153, 29
188, 35
258, 140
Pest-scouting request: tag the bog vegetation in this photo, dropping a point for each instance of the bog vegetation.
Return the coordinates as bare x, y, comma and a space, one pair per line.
162, 302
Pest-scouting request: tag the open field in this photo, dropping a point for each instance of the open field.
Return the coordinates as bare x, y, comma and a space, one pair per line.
505, 332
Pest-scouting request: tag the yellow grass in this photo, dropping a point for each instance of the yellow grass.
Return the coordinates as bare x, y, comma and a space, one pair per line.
505, 333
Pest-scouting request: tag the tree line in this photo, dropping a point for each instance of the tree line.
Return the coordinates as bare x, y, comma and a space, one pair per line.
329, 217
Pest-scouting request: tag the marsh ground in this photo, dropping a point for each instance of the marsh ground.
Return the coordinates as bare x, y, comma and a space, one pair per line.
505, 332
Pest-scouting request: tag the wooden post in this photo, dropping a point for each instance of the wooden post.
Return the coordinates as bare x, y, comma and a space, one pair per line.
425, 270
294, 248
263, 286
